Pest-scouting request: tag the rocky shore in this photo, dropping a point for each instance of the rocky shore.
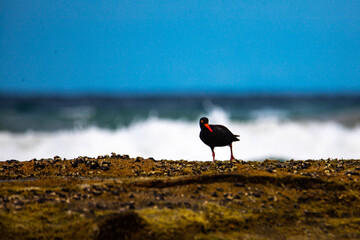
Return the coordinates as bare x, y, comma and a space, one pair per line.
118, 197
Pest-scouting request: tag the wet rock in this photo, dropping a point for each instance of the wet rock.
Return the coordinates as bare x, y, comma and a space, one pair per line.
105, 165
74, 163
125, 157
352, 172
94, 165
13, 161
18, 202
271, 170
39, 165
81, 160
272, 198
139, 159
115, 192
61, 195
256, 194
65, 189
56, 159
101, 205
228, 196
62, 167
76, 196
238, 195
41, 199
97, 190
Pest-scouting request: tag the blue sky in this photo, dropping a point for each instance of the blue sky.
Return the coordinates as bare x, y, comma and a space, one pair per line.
130, 47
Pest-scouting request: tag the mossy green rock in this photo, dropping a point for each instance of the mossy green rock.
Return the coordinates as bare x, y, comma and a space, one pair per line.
126, 198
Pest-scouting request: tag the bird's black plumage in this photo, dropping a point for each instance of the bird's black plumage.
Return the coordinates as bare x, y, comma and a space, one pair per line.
216, 136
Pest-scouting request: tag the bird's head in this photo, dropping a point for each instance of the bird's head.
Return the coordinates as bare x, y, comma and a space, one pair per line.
204, 122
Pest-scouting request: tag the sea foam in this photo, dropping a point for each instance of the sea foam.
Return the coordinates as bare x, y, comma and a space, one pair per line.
267, 136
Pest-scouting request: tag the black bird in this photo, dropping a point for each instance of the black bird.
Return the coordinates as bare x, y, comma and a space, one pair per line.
216, 136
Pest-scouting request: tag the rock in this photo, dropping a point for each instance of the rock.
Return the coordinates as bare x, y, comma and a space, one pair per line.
272, 198
18, 202
271, 170
81, 159
96, 191
74, 163
12, 161
39, 165
237, 184
61, 195
352, 172
311, 214
139, 159
105, 165
125, 157
214, 194
256, 194
115, 192
228, 196
169, 205
187, 204
76, 196
238, 195
94, 165
114, 155
129, 205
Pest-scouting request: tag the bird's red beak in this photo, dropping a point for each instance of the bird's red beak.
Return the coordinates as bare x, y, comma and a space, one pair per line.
208, 127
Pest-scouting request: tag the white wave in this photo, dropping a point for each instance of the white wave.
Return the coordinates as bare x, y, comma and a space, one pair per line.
179, 139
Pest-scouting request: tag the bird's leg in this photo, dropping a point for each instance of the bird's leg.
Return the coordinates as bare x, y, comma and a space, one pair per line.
232, 155
213, 154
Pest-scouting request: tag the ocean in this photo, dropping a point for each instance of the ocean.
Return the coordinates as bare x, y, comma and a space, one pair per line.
167, 127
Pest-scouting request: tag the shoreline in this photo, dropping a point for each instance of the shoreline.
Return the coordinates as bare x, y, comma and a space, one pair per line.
118, 197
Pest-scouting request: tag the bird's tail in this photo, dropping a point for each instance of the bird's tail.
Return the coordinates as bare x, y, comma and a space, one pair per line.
236, 138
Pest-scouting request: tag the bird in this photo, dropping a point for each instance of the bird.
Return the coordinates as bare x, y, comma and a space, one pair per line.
217, 136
